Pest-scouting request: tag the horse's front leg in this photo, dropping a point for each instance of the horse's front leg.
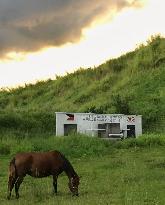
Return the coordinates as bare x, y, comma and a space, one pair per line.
55, 183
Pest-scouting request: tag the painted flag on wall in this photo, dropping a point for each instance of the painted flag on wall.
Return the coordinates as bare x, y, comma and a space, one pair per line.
131, 119
70, 116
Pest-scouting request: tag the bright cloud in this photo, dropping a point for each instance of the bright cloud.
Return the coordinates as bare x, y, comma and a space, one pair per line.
107, 37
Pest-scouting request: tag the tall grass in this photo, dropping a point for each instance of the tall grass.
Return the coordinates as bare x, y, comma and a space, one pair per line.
77, 146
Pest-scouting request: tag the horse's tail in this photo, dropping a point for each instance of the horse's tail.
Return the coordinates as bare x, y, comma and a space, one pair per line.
12, 169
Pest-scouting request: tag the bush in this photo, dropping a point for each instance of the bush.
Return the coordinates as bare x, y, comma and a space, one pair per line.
4, 149
76, 146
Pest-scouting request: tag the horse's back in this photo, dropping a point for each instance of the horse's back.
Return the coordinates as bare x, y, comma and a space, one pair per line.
39, 163
37, 156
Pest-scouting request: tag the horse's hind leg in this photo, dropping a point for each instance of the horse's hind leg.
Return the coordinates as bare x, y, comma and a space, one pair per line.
17, 185
11, 183
55, 183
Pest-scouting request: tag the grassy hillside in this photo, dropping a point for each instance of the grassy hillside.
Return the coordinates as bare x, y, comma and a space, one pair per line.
131, 84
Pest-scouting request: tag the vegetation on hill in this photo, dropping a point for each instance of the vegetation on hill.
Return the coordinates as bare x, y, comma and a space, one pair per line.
130, 84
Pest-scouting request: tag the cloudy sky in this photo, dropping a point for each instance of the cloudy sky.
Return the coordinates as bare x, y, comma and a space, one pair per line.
40, 39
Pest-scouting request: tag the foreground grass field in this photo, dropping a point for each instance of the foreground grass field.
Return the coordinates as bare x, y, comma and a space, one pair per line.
124, 175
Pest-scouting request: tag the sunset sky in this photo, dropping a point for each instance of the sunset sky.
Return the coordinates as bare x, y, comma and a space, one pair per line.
40, 39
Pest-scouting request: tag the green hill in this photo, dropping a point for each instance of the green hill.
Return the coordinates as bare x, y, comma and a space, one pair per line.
131, 84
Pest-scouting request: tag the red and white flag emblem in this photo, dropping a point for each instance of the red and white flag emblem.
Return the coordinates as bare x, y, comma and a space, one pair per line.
70, 116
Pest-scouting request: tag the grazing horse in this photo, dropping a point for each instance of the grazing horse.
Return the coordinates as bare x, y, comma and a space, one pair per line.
37, 164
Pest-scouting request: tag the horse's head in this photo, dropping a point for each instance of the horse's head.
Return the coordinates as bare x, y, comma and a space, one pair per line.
73, 185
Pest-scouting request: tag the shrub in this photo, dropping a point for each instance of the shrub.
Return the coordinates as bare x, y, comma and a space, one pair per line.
4, 149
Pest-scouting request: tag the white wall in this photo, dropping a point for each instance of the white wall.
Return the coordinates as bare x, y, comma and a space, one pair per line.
88, 121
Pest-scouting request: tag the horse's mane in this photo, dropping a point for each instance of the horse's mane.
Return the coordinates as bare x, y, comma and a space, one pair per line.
68, 167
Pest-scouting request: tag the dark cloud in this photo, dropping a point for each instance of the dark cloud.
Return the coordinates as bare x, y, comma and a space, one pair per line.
29, 25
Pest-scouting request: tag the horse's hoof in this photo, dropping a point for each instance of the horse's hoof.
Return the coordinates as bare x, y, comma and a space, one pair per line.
17, 196
54, 193
8, 197
75, 195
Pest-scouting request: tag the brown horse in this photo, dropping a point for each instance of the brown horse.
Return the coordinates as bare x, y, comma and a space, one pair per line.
41, 165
